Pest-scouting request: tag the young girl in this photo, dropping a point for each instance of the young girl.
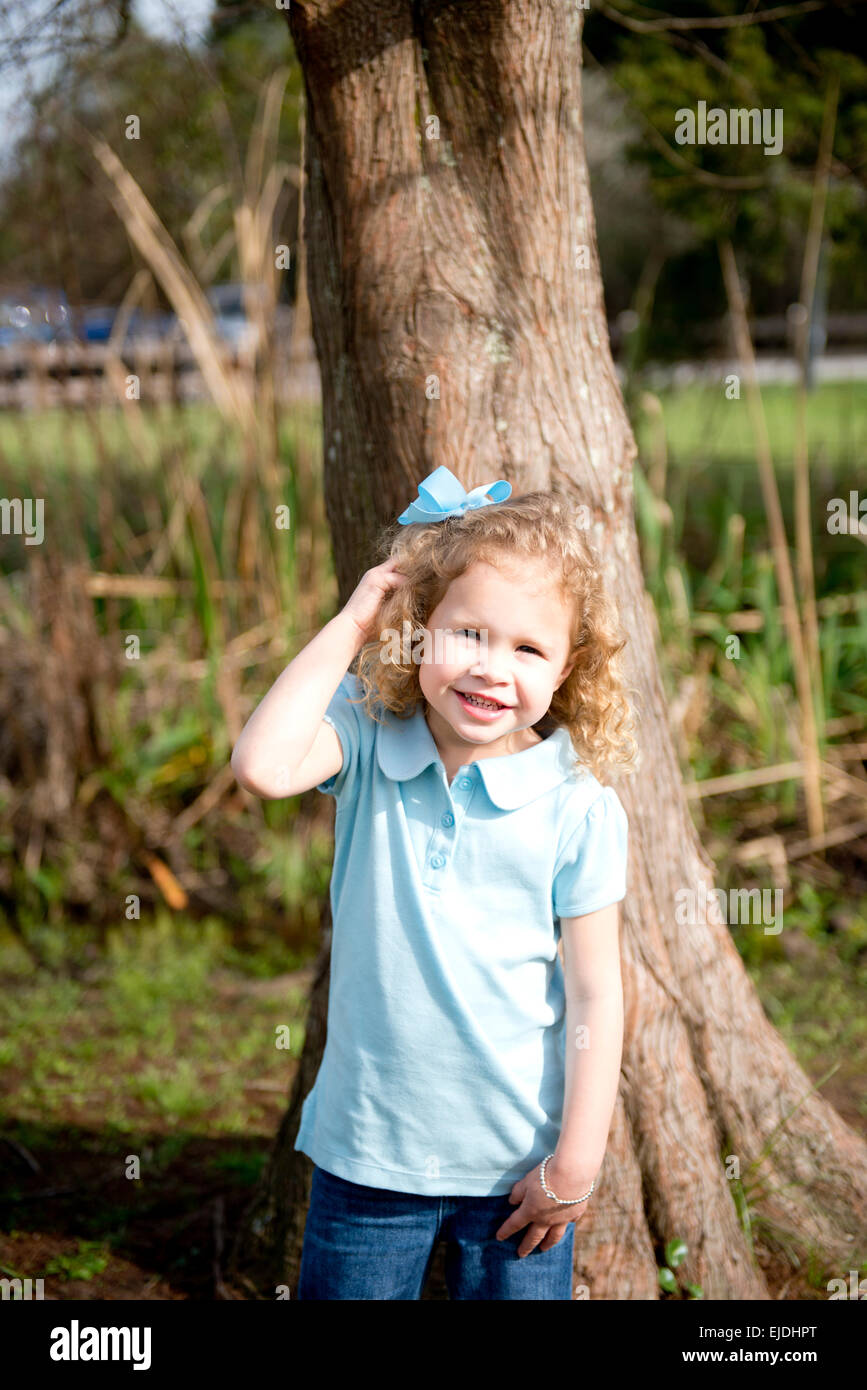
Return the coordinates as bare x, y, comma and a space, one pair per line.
469, 1077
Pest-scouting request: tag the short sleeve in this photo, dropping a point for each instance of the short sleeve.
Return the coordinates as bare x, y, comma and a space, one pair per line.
350, 723
591, 869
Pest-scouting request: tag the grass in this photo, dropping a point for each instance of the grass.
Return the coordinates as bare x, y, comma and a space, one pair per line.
65, 439
706, 431
149, 1034
145, 1082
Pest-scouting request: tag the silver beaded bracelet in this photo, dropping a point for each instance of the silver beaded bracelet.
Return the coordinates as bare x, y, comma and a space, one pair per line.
562, 1201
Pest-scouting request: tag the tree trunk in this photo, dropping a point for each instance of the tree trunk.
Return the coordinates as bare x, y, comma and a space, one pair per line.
471, 258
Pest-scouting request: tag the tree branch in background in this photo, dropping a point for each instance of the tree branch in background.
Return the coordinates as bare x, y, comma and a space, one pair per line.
734, 21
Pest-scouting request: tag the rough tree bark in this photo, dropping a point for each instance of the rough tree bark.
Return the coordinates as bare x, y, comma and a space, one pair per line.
471, 258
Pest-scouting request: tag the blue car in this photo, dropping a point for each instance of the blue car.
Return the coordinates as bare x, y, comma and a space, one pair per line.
94, 323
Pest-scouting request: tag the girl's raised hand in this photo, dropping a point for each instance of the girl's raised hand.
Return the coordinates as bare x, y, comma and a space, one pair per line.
375, 585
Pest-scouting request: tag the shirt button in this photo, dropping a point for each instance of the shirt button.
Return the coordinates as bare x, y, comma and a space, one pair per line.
437, 861
447, 818
464, 782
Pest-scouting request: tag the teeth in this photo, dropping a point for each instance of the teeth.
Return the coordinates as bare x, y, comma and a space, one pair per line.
485, 704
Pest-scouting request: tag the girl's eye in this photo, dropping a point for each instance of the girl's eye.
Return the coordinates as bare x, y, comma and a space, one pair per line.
525, 646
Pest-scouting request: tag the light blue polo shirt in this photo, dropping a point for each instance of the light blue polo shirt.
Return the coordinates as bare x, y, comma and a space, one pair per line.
444, 1064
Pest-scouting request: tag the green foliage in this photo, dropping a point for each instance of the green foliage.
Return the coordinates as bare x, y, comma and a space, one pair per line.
785, 66
675, 1253
241, 1165
150, 1034
706, 549
154, 967
90, 1258
172, 1091
165, 729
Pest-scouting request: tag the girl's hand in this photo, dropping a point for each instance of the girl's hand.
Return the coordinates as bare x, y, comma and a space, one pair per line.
546, 1220
375, 585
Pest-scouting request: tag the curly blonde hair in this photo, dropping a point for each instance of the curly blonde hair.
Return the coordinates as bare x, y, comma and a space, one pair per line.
591, 702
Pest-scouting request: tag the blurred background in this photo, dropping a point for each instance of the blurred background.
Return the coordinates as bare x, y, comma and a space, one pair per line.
159, 390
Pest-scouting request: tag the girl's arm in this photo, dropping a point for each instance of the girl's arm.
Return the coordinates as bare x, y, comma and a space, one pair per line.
281, 732
594, 1043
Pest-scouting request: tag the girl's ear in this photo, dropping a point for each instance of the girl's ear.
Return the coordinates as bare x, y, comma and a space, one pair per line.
566, 671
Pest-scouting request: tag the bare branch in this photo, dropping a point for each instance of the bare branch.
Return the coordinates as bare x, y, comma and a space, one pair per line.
68, 27
732, 21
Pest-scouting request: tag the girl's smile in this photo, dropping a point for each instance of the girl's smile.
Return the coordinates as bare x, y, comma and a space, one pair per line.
481, 707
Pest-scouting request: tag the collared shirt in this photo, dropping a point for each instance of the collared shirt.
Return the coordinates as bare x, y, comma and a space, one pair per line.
444, 1065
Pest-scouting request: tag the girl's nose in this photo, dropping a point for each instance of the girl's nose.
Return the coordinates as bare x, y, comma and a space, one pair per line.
490, 664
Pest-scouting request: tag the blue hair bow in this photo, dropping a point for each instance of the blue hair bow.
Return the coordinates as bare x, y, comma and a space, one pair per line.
442, 494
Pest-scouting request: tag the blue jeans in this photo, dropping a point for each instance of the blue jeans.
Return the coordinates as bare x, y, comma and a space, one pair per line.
371, 1243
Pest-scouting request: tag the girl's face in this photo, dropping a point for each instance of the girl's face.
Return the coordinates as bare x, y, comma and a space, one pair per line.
501, 633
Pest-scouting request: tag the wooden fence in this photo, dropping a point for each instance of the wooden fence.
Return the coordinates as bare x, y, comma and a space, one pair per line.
39, 376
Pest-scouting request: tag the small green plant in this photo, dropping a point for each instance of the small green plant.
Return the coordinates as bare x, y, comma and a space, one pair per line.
91, 1258
173, 1093
675, 1253
243, 1166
